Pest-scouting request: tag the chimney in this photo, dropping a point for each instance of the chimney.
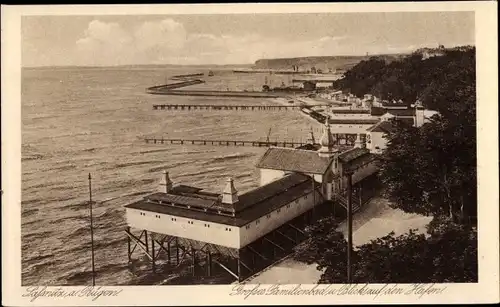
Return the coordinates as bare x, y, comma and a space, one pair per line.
358, 143
229, 195
165, 183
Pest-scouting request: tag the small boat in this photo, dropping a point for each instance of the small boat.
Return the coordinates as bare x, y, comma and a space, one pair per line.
210, 73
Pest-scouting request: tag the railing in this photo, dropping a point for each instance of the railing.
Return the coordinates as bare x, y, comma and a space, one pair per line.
291, 144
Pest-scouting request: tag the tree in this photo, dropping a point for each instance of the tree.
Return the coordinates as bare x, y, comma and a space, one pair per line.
441, 180
429, 170
447, 254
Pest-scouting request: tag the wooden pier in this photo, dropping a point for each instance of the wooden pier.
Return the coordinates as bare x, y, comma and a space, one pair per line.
290, 144
192, 107
340, 139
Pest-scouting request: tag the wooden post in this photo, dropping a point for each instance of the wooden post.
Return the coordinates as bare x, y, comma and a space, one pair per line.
209, 263
193, 256
128, 245
168, 251
177, 249
239, 270
360, 197
91, 230
349, 228
314, 200
153, 264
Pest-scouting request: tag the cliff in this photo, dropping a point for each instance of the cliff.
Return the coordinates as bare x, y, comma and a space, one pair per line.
319, 62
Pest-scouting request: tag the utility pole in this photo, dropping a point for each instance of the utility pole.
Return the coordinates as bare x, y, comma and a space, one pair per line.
91, 229
349, 228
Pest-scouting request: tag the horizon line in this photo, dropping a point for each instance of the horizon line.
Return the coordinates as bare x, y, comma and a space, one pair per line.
158, 64
297, 57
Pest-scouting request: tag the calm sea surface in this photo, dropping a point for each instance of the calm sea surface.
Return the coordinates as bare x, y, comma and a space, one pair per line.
81, 120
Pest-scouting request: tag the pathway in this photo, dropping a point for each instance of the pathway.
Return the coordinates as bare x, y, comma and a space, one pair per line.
376, 220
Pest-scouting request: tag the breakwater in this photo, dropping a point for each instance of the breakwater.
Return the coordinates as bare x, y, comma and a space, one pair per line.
166, 91
171, 89
172, 86
183, 77
268, 71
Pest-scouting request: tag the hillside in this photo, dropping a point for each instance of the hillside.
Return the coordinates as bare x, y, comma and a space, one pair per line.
418, 76
320, 62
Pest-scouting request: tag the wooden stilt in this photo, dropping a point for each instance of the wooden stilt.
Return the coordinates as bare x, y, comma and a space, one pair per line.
349, 228
193, 257
257, 253
139, 243
209, 264
227, 269
168, 251
146, 240
153, 256
239, 270
360, 197
246, 266
177, 249
314, 198
128, 245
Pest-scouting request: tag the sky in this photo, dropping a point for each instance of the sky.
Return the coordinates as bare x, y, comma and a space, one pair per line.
232, 39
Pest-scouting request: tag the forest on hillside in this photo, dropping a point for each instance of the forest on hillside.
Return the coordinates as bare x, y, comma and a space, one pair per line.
412, 77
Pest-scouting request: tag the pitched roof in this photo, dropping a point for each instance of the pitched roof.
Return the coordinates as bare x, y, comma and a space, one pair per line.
407, 120
271, 190
309, 147
378, 111
348, 120
254, 204
352, 154
362, 160
389, 105
349, 111
401, 112
382, 126
296, 160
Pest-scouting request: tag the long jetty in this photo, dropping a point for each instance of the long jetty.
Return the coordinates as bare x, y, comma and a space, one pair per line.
340, 138
219, 107
314, 80
169, 90
193, 79
291, 144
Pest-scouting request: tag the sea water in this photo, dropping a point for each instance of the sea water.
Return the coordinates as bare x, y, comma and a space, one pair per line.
77, 121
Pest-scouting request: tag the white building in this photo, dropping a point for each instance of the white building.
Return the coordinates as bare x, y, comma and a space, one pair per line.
375, 138
415, 116
329, 166
293, 181
226, 219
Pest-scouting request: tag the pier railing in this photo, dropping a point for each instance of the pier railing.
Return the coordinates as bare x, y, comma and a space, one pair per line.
256, 143
190, 107
339, 138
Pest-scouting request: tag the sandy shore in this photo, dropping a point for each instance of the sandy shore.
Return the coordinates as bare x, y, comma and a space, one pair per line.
376, 220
